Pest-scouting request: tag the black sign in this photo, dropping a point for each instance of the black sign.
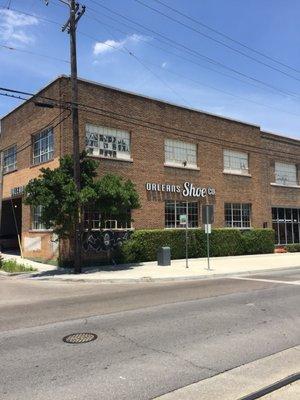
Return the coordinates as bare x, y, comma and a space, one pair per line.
207, 214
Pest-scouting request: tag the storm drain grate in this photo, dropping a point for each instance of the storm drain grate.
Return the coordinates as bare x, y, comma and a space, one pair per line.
77, 338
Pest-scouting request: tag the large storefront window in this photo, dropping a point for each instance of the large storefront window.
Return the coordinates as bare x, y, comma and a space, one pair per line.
286, 224
173, 210
237, 215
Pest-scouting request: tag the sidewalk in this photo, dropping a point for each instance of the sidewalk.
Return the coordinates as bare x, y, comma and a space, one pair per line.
149, 271
244, 381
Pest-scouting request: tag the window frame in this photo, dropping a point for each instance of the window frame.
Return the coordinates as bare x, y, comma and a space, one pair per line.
282, 181
104, 226
14, 164
292, 221
122, 138
177, 205
49, 153
234, 210
36, 225
234, 155
186, 146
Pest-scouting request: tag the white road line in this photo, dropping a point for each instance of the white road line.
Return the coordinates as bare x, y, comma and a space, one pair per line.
266, 280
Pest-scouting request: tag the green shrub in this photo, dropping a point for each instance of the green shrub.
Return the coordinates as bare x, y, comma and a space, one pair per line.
293, 248
14, 266
258, 241
143, 244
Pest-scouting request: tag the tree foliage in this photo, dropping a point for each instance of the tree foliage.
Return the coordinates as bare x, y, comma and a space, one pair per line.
55, 190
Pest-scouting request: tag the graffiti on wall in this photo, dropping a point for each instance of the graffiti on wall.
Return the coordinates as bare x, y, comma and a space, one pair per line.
98, 241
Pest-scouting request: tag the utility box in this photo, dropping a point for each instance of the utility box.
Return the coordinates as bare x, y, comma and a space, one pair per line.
164, 256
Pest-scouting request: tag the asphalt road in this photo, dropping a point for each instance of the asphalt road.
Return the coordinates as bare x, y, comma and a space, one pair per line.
152, 337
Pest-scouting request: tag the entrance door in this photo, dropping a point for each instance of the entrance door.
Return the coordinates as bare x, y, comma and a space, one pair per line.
11, 224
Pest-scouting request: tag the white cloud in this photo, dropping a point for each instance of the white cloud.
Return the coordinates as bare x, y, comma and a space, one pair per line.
164, 64
13, 26
112, 45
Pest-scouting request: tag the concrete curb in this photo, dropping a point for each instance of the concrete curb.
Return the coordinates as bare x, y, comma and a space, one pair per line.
164, 279
271, 388
249, 381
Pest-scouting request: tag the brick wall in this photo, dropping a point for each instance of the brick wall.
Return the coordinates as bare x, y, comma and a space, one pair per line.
150, 122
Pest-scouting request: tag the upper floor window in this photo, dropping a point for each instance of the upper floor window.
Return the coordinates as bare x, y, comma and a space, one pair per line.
180, 154
10, 159
43, 146
237, 215
236, 162
285, 174
107, 142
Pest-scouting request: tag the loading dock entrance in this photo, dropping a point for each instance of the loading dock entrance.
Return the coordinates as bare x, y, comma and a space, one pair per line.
11, 224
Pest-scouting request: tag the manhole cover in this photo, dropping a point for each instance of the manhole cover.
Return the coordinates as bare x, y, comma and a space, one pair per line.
77, 338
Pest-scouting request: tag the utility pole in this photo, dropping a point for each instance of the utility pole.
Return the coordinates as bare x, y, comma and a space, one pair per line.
76, 11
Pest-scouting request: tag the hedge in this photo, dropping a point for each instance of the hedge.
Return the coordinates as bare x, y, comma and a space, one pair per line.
293, 248
143, 244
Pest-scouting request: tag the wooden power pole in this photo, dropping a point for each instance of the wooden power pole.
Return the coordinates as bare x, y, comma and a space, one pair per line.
76, 11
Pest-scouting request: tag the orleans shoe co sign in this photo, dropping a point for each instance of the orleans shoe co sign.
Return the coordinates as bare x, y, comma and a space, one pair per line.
186, 190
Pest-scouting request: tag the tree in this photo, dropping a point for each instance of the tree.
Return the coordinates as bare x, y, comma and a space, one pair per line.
55, 191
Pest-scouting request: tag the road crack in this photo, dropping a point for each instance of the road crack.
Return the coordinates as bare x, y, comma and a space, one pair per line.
116, 334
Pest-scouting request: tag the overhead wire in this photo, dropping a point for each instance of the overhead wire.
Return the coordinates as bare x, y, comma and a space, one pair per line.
165, 50
179, 132
33, 53
195, 52
218, 32
215, 40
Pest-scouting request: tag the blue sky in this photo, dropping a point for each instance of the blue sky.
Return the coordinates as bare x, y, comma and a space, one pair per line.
117, 52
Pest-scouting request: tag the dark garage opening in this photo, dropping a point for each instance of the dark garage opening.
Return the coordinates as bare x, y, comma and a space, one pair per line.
11, 224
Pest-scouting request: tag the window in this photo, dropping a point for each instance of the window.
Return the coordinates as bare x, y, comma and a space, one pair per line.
285, 174
237, 215
286, 224
43, 149
236, 162
107, 142
181, 154
10, 159
36, 214
173, 210
93, 221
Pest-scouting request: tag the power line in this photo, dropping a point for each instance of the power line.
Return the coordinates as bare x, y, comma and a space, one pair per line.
225, 91
180, 56
139, 60
198, 54
182, 133
42, 129
227, 36
192, 80
216, 40
33, 53
163, 128
13, 96
150, 44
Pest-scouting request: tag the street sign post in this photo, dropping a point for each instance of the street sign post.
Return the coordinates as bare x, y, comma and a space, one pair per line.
207, 219
183, 222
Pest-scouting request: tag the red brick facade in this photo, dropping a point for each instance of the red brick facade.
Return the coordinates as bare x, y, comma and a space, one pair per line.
149, 123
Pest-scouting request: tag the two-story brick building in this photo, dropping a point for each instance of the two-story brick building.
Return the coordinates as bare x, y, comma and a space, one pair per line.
178, 158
